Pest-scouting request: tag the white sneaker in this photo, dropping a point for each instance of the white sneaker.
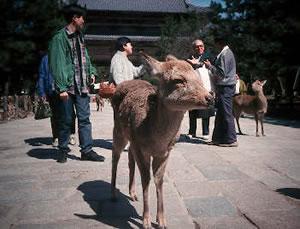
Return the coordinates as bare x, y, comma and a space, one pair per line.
55, 142
72, 140
205, 137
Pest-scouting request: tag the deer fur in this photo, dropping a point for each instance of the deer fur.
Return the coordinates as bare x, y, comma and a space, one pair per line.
149, 118
255, 105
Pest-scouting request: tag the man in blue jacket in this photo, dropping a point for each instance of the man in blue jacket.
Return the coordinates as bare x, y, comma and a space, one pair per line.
46, 91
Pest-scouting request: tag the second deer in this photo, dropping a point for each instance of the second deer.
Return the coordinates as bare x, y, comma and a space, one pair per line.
252, 104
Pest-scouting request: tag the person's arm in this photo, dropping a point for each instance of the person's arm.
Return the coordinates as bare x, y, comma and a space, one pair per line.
116, 70
42, 77
92, 71
138, 71
217, 69
57, 63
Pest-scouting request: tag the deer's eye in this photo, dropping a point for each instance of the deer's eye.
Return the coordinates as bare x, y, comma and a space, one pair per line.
178, 81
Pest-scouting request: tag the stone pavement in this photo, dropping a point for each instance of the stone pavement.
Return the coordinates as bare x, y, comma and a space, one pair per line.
256, 185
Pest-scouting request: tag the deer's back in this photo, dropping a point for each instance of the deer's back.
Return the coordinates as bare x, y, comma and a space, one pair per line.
246, 103
133, 102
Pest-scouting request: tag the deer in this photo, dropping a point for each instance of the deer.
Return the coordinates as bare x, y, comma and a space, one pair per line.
252, 104
149, 117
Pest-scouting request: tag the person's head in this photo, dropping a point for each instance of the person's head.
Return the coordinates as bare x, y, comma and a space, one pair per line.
198, 46
74, 14
220, 40
123, 44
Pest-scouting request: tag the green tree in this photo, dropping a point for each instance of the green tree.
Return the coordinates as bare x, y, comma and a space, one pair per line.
26, 29
264, 36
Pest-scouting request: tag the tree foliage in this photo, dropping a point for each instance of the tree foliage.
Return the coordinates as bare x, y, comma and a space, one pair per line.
26, 29
263, 35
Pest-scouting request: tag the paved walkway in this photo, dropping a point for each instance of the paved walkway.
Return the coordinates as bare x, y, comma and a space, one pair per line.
256, 185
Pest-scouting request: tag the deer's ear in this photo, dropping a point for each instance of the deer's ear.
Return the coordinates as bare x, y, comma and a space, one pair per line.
170, 57
263, 82
154, 65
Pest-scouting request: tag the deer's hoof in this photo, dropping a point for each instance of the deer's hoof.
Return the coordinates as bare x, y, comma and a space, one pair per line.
133, 197
162, 227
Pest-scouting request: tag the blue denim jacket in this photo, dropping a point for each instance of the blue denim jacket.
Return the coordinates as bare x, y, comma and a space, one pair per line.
45, 84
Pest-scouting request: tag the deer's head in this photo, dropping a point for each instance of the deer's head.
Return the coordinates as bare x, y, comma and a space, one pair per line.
257, 86
179, 86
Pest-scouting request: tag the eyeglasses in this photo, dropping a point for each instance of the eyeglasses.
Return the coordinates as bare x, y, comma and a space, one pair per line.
199, 46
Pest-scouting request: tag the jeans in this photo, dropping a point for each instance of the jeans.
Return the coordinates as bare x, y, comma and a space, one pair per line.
66, 116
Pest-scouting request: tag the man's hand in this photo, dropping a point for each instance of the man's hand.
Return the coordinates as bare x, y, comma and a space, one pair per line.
207, 64
64, 96
93, 79
193, 60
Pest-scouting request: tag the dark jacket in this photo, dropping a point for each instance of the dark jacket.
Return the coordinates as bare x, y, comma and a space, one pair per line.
61, 63
45, 85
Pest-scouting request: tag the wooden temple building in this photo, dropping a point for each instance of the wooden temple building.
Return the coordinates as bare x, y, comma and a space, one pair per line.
140, 20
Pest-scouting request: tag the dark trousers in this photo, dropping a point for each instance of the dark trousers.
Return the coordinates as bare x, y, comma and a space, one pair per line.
224, 130
53, 102
193, 115
54, 105
66, 114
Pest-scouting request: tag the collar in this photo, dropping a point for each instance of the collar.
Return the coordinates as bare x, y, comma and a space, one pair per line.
71, 35
223, 50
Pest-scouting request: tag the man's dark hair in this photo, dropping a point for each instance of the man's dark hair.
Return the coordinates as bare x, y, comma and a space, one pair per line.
122, 41
221, 38
73, 10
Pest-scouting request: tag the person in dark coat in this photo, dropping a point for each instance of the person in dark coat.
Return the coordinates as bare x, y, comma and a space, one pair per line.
196, 60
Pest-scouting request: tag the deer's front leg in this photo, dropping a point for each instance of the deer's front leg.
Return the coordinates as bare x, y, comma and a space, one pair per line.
159, 167
143, 162
262, 125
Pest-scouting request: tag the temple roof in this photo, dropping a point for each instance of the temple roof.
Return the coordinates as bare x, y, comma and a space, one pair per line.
158, 6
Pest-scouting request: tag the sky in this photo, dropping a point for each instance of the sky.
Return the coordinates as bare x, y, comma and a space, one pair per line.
202, 2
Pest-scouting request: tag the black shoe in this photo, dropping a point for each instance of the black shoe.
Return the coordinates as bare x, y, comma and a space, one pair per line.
91, 156
62, 157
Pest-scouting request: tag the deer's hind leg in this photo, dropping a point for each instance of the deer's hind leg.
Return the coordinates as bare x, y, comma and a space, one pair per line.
256, 121
237, 118
131, 165
119, 143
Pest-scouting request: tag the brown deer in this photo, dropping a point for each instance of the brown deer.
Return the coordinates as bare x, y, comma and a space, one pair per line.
149, 118
255, 105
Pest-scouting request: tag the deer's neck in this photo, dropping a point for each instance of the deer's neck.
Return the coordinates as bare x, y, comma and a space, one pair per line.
167, 122
261, 101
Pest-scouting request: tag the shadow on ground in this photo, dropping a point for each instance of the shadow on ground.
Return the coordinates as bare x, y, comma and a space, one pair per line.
103, 143
38, 141
291, 192
187, 139
45, 154
278, 121
118, 214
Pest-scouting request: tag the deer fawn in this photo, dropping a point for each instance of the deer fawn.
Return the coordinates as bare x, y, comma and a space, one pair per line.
255, 105
149, 118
